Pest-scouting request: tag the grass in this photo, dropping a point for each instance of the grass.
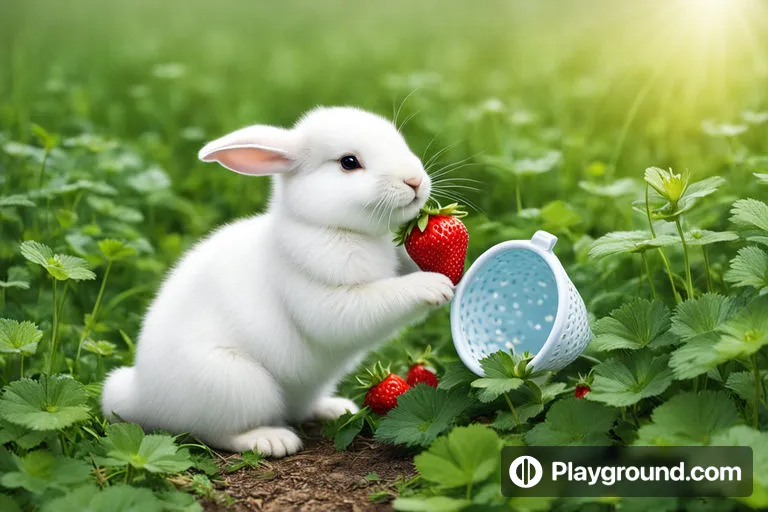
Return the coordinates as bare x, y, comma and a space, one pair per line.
555, 108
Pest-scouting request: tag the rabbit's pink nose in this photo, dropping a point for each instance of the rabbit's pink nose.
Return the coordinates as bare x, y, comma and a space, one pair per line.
413, 182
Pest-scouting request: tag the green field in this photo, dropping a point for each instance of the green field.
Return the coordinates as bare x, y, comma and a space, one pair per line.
555, 108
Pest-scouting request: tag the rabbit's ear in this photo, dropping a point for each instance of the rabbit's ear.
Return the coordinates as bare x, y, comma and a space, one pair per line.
256, 150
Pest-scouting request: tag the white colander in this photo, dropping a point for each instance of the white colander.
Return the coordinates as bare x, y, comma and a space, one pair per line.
517, 297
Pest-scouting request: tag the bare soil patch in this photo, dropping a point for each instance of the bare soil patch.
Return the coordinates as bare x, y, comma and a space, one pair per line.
321, 479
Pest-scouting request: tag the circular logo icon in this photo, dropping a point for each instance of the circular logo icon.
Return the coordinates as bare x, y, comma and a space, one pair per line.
525, 471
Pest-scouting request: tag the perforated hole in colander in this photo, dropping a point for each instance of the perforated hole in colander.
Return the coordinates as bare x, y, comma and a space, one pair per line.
509, 304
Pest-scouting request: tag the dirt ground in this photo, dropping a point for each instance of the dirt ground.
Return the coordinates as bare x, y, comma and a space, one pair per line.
320, 479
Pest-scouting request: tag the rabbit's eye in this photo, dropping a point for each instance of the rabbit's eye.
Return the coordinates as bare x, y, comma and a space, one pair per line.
350, 163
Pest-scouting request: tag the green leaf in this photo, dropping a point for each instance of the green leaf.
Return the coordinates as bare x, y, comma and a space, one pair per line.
125, 444
762, 178
115, 498
559, 215
60, 266
422, 414
430, 504
70, 267
573, 422
152, 180
689, 419
701, 237
455, 374
19, 337
100, 348
24, 438
36, 252
8, 504
530, 400
701, 315
638, 324
620, 187
249, 459
751, 213
15, 200
696, 356
668, 184
749, 268
627, 242
115, 250
464, 456
18, 277
502, 371
178, 501
40, 471
745, 333
630, 377
742, 435
345, 428
743, 384
117, 211
52, 403
493, 388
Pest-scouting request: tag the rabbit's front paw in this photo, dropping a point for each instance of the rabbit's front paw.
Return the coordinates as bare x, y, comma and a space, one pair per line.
274, 442
432, 289
331, 407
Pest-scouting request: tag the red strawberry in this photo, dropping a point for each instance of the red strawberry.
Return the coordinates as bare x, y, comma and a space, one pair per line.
439, 242
583, 385
581, 390
383, 389
420, 373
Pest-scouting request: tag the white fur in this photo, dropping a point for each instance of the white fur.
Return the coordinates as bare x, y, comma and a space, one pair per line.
256, 324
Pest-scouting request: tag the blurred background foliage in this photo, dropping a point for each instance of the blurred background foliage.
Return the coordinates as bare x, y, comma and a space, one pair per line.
555, 108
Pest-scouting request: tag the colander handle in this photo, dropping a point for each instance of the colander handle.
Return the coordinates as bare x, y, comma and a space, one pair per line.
543, 240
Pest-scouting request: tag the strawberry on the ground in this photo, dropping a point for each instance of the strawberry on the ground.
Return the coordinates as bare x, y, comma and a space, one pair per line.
383, 389
437, 240
419, 371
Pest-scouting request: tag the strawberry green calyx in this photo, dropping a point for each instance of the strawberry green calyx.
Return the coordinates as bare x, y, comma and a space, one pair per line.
452, 210
425, 358
374, 375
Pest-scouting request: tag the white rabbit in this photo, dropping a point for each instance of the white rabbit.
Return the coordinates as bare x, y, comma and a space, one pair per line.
256, 324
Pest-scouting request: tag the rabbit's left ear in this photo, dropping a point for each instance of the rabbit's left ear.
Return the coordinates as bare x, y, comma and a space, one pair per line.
256, 150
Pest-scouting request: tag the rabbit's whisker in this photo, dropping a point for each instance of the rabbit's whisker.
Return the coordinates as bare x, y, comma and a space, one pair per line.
434, 157
397, 112
400, 128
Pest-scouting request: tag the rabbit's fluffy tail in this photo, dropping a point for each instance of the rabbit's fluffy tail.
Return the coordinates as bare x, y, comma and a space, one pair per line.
118, 394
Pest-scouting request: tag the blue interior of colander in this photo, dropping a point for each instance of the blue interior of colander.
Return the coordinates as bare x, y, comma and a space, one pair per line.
510, 303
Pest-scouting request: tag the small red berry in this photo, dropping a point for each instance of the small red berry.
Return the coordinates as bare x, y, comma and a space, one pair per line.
382, 396
421, 374
581, 390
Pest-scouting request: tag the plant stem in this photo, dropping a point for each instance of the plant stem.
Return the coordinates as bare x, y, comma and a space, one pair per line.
518, 195
41, 174
706, 268
667, 266
688, 278
512, 408
648, 273
756, 414
54, 330
92, 320
469, 490
21, 366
